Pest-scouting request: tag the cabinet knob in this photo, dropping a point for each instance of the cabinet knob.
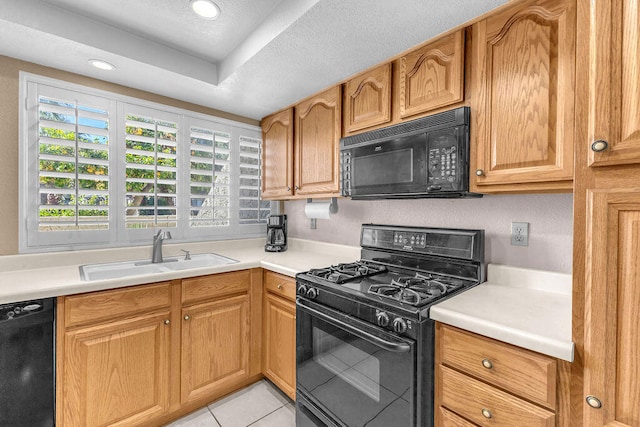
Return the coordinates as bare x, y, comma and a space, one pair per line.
288, 188
166, 322
296, 188
187, 317
479, 172
599, 145
279, 286
594, 402
487, 363
486, 413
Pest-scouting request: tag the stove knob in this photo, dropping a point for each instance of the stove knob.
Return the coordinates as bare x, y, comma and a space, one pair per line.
382, 319
312, 293
399, 325
302, 290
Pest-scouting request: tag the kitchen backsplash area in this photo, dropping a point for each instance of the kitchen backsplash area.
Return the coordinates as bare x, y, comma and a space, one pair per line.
549, 217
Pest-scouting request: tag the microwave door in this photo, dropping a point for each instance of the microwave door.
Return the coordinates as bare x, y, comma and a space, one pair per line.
391, 167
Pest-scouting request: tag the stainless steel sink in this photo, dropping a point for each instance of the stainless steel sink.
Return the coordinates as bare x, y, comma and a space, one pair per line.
115, 270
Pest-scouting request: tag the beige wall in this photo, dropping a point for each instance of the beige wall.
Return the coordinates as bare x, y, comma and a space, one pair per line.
550, 218
9, 136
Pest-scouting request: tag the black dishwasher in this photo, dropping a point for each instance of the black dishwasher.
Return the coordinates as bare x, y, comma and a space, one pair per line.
27, 374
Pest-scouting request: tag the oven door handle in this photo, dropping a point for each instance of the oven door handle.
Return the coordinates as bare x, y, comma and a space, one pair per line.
389, 345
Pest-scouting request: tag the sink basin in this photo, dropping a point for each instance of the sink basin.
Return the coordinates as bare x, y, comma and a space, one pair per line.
115, 270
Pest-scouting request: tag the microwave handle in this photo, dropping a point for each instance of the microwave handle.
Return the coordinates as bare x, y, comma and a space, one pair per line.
361, 332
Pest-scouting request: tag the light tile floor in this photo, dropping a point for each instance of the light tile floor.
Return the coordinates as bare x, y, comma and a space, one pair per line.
258, 405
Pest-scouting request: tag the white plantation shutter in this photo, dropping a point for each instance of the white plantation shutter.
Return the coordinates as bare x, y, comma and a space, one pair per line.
252, 210
151, 169
70, 179
209, 177
100, 169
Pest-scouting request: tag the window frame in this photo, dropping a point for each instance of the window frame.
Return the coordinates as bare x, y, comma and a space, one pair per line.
33, 240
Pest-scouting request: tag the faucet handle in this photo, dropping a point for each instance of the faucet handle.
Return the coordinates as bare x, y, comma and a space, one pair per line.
187, 255
166, 235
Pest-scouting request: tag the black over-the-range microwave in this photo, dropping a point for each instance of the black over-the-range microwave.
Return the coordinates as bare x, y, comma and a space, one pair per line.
426, 157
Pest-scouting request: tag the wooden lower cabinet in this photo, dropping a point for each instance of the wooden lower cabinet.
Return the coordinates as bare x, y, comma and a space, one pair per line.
215, 347
483, 382
147, 354
279, 326
117, 374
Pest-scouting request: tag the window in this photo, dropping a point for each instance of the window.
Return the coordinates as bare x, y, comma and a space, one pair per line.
151, 170
209, 177
252, 209
103, 169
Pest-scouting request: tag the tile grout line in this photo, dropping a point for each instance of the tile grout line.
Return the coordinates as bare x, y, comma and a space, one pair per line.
214, 416
266, 415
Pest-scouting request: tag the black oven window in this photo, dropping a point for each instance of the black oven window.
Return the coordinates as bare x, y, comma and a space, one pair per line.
357, 381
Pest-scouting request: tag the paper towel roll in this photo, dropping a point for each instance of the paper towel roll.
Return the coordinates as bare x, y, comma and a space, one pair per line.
320, 210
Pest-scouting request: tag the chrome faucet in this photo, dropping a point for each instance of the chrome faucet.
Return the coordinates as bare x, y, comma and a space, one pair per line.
157, 245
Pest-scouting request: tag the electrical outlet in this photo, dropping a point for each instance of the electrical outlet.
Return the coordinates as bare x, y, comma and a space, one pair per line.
520, 233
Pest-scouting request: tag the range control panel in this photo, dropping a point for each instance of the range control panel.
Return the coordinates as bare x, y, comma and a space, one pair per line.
407, 238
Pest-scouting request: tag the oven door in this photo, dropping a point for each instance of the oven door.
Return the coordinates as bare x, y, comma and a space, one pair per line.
355, 373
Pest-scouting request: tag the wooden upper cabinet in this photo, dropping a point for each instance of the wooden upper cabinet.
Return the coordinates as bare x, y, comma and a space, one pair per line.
432, 76
277, 154
318, 126
367, 99
614, 83
523, 63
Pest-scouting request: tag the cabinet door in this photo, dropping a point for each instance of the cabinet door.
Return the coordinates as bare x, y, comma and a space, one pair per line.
317, 139
215, 347
277, 155
614, 101
117, 374
432, 76
523, 97
367, 99
612, 308
280, 343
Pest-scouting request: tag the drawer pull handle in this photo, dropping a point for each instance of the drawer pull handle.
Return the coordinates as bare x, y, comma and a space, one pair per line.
486, 413
279, 286
487, 363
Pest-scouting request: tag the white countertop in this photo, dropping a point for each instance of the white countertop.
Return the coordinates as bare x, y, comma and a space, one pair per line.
24, 277
524, 307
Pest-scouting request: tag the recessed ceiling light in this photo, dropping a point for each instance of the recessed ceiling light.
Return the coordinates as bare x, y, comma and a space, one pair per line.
205, 8
103, 65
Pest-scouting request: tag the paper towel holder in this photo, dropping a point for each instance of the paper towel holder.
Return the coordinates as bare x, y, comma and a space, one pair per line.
333, 209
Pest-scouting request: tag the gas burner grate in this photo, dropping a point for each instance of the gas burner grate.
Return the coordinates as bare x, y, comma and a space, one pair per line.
415, 290
345, 272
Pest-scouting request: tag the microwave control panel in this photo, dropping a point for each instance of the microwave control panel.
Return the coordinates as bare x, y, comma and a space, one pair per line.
444, 161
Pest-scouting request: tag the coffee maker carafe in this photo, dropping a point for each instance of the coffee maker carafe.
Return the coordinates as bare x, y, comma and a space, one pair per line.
276, 233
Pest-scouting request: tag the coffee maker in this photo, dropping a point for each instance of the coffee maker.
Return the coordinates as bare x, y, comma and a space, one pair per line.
276, 233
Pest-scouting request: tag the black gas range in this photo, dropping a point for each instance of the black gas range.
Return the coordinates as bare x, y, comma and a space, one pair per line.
364, 337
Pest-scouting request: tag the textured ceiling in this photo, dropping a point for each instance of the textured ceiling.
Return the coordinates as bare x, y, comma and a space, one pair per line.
257, 57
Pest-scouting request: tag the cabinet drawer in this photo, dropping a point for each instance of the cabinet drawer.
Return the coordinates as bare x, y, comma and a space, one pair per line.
449, 419
106, 305
488, 406
201, 288
523, 372
280, 285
